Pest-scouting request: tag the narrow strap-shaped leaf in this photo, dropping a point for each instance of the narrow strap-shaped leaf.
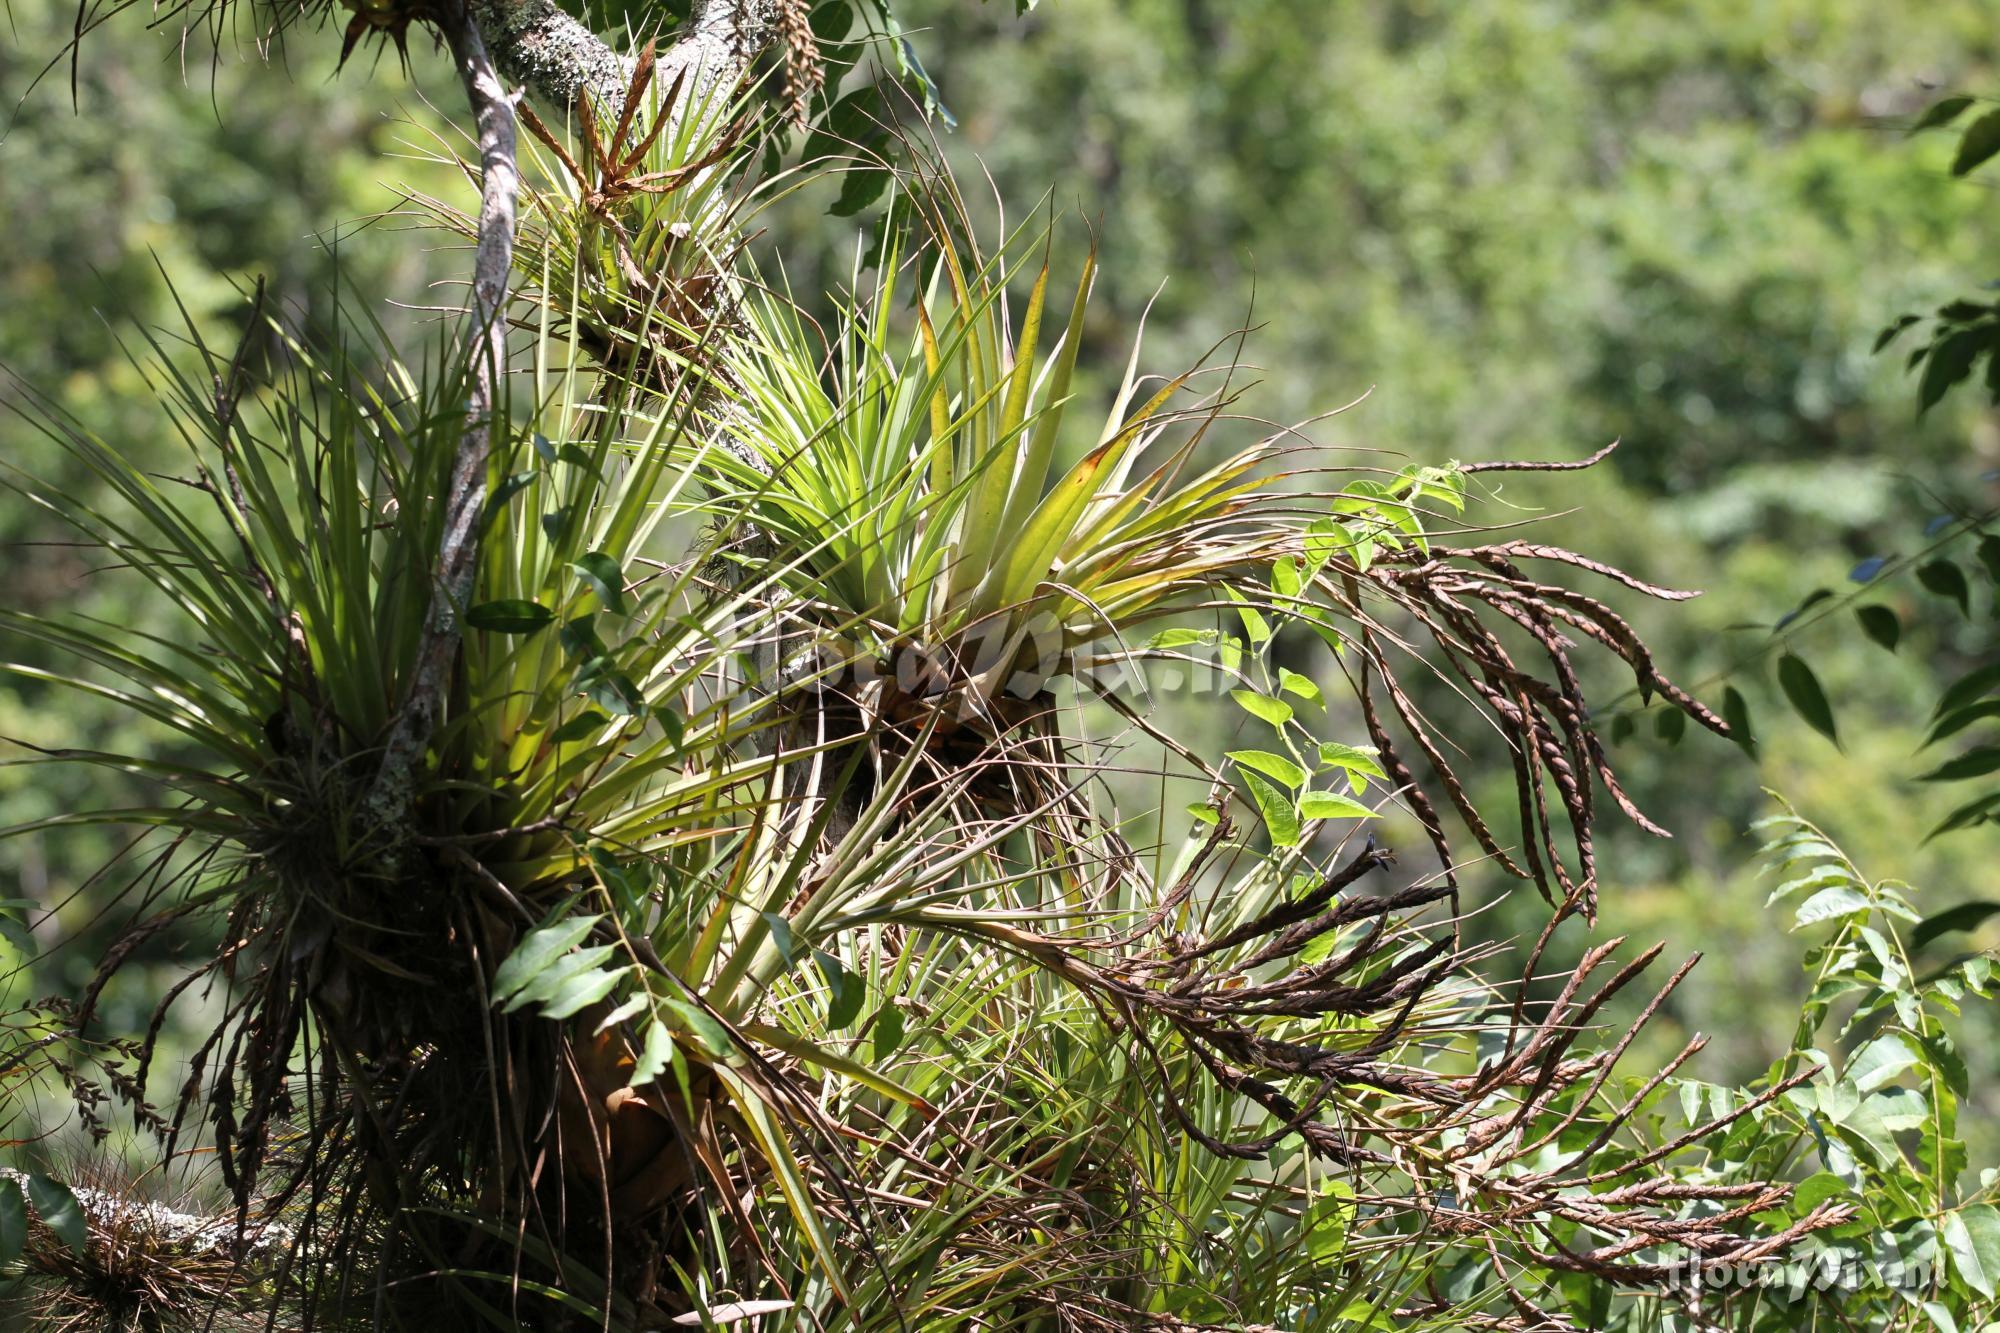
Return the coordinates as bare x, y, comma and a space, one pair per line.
776, 1149
991, 466
1209, 494
1115, 421
1133, 425
941, 459
1023, 376
1033, 473
814, 1054
1033, 552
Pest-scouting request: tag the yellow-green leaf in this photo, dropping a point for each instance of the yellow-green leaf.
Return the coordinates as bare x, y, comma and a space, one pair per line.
1274, 711
1281, 821
1272, 765
1331, 805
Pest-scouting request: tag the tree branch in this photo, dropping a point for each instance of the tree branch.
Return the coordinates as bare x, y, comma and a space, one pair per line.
536, 44
392, 795
720, 40
192, 1232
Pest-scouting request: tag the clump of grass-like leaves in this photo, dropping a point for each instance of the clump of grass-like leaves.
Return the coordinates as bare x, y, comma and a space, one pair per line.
297, 549
836, 992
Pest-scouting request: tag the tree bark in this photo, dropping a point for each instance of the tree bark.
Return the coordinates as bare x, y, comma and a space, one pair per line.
393, 792
538, 45
720, 40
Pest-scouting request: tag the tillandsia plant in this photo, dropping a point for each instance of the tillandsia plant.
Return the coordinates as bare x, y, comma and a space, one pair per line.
359, 954
942, 570
604, 989
942, 564
630, 218
916, 473
613, 934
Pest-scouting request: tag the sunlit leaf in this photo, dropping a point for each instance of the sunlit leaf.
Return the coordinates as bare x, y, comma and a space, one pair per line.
1274, 711
1291, 682
1255, 627
1324, 538
1880, 1061
1271, 765
1331, 805
565, 978
1180, 637
578, 992
1281, 821
1972, 1234
537, 951
1831, 904
655, 1054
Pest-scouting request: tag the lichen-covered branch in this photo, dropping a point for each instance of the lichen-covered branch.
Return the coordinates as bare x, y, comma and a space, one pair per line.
720, 40
536, 44
107, 1211
557, 58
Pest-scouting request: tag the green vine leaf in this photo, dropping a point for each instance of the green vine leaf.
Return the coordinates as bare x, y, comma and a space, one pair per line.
1271, 765
1880, 624
1274, 711
1281, 820
58, 1209
605, 578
